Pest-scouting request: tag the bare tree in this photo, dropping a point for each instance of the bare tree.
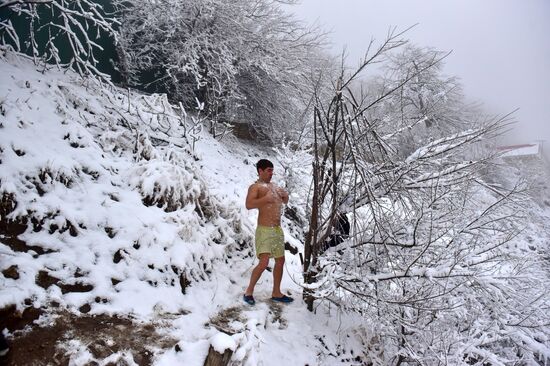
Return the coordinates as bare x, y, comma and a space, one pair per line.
428, 257
428, 106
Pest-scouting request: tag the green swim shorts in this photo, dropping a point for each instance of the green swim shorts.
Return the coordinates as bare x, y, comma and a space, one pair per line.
270, 240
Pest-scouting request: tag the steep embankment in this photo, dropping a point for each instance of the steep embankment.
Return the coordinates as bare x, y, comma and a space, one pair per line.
121, 243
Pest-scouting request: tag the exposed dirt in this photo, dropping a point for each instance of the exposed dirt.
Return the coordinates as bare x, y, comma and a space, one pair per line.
276, 314
222, 321
100, 335
16, 320
11, 229
231, 320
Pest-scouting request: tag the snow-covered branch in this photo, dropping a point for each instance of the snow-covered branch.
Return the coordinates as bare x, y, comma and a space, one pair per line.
49, 26
428, 242
245, 62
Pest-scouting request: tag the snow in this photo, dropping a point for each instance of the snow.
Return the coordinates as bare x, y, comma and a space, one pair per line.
439, 146
129, 216
221, 341
122, 202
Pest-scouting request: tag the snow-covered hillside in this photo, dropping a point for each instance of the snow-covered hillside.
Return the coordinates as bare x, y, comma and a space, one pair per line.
110, 218
124, 240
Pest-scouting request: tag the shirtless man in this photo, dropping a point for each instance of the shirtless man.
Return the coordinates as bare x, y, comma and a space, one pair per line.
268, 199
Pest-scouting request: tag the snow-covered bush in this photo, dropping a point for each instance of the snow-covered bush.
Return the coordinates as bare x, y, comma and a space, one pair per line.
169, 183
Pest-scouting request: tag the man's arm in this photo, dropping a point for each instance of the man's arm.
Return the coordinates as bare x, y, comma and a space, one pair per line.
251, 197
252, 200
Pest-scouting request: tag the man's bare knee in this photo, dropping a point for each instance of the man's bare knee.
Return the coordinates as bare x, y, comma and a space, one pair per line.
280, 261
264, 261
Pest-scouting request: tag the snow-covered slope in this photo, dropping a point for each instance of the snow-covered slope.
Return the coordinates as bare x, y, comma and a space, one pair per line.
106, 209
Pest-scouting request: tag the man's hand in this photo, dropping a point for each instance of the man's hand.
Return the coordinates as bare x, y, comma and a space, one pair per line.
283, 194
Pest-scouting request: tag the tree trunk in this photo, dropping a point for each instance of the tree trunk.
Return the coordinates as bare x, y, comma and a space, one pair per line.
311, 237
215, 358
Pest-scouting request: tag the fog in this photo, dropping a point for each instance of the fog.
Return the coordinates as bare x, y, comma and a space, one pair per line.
500, 48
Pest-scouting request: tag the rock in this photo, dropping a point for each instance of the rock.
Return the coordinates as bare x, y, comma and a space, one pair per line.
85, 308
44, 279
11, 272
184, 282
118, 256
77, 287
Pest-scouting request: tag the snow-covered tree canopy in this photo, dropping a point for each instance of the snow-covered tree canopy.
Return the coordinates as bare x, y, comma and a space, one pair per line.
239, 62
243, 61
426, 104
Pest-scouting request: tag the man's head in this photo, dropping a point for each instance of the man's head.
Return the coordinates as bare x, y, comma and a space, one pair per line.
265, 170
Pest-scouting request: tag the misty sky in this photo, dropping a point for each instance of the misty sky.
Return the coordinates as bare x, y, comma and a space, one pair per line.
501, 48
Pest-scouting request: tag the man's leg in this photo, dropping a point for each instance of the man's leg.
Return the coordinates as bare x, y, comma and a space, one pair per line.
257, 273
277, 276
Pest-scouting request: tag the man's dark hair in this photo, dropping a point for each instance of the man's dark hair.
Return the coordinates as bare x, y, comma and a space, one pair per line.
263, 164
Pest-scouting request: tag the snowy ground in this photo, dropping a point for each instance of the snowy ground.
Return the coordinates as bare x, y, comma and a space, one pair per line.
124, 221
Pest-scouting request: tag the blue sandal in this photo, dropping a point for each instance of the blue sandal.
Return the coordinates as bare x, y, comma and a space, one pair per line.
249, 299
283, 298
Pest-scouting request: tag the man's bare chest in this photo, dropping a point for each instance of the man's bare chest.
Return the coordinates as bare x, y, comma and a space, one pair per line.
265, 189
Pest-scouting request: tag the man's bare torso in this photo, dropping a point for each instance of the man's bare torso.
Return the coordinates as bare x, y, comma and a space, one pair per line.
270, 211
